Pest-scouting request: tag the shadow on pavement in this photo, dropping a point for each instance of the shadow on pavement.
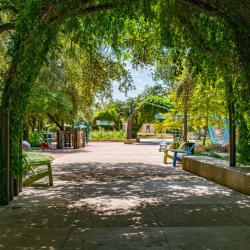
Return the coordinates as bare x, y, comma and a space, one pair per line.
122, 206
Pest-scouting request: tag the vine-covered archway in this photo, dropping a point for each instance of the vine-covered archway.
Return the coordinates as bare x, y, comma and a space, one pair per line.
150, 106
38, 22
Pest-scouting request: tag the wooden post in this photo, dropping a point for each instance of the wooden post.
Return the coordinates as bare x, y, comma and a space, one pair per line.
70, 135
20, 184
77, 139
60, 140
232, 124
50, 174
232, 135
16, 186
65, 139
74, 139
4, 159
83, 138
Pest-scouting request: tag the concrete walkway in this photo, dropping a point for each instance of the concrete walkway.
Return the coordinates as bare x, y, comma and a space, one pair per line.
112, 196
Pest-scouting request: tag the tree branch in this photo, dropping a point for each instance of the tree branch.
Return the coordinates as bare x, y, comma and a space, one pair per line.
6, 27
232, 15
48, 10
55, 121
200, 5
9, 8
91, 9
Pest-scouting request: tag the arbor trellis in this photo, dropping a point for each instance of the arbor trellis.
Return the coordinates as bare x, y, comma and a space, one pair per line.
37, 23
158, 104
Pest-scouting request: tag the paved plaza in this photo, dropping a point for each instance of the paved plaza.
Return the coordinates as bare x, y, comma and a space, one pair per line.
112, 196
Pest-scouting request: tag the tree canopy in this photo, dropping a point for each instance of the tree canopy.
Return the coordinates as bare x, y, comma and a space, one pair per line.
216, 35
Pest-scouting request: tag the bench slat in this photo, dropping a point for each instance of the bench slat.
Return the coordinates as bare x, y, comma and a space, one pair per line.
35, 177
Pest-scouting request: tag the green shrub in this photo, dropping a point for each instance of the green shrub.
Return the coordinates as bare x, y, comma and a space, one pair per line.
107, 135
35, 139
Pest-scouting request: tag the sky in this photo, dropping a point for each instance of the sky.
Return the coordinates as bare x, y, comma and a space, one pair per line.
141, 77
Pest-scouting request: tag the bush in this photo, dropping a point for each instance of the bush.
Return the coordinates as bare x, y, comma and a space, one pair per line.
107, 135
35, 139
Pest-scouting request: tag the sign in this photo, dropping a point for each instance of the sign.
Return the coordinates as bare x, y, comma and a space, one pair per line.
104, 123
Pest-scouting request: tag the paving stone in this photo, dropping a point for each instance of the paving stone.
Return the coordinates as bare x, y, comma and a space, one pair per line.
118, 238
32, 238
208, 238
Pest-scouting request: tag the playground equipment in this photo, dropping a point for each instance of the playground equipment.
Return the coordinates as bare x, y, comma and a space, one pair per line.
219, 136
82, 124
78, 137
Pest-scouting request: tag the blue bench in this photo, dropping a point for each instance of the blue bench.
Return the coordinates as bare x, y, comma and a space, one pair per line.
182, 152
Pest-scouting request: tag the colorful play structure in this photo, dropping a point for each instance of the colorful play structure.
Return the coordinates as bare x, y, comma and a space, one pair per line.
219, 136
78, 137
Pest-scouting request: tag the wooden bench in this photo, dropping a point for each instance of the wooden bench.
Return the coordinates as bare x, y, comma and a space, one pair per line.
39, 174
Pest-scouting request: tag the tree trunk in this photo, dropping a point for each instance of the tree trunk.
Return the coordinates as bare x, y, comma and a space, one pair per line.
19, 80
232, 134
5, 192
232, 123
185, 119
26, 132
130, 125
205, 136
131, 122
33, 124
206, 127
185, 130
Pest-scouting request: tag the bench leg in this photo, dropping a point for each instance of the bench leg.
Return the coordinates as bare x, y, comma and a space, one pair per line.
50, 174
175, 159
165, 159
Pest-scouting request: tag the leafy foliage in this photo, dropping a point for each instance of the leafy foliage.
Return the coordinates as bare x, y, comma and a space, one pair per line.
147, 110
205, 29
35, 139
110, 115
107, 135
